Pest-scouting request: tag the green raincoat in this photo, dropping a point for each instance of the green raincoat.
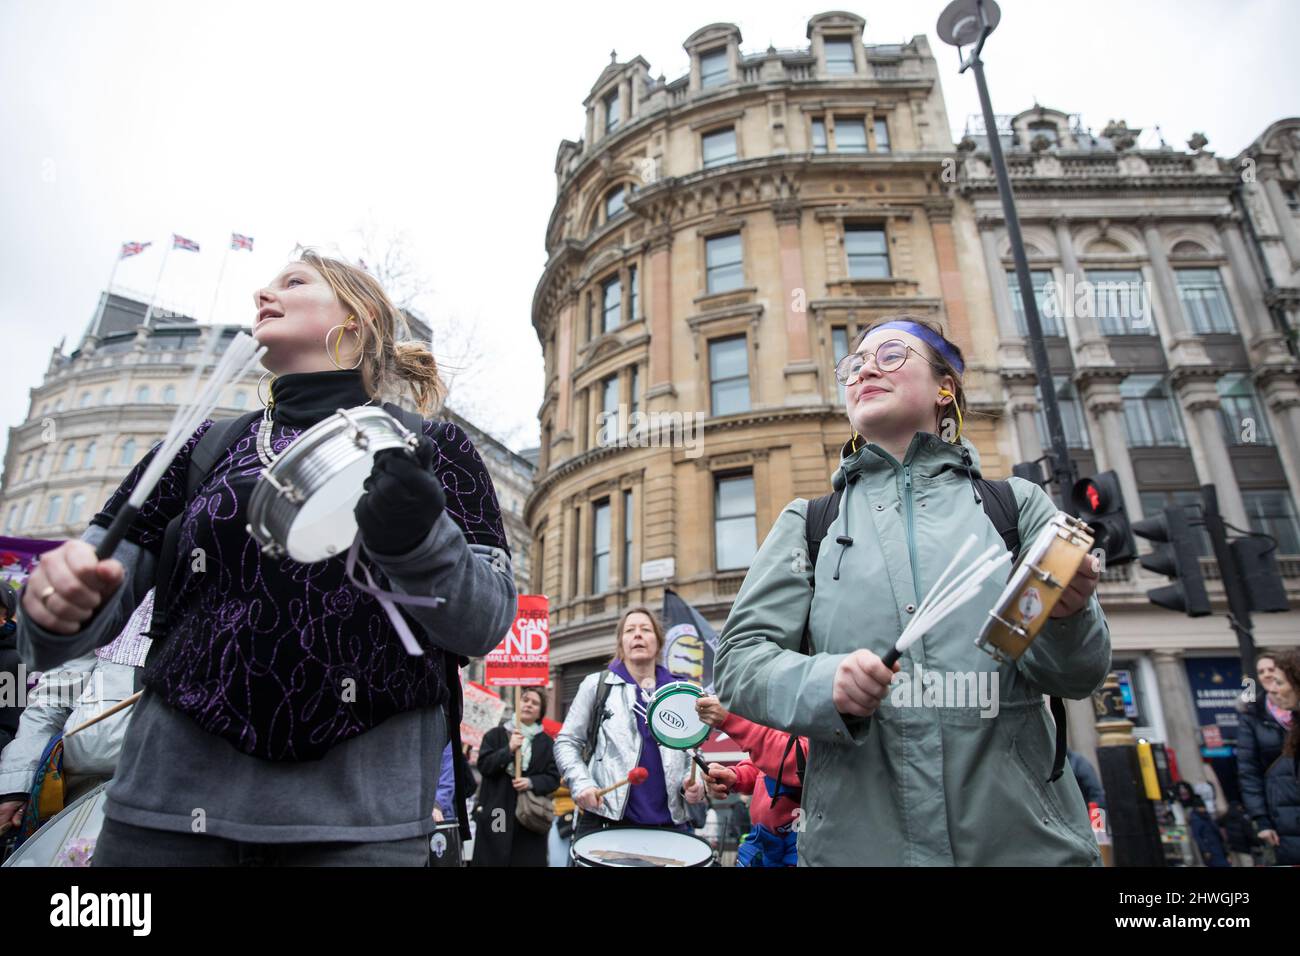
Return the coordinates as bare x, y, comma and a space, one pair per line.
940, 775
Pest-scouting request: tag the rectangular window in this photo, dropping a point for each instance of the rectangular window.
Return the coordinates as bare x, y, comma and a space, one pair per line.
1242, 415
719, 147
1204, 300
713, 68
600, 531
609, 396
611, 310
1271, 513
729, 375
1150, 417
1072, 420
52, 511
636, 388
634, 311
724, 266
839, 56
882, 136
1154, 502
1119, 302
591, 308
735, 529
867, 251
627, 535
612, 112
839, 348
819, 136
1048, 314
850, 135
614, 203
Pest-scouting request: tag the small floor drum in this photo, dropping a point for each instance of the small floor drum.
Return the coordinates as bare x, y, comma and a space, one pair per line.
68, 839
672, 717
1044, 573
302, 505
638, 846
444, 845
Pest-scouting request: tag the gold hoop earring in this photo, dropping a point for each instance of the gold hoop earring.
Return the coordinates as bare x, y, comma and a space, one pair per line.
853, 442
338, 341
270, 398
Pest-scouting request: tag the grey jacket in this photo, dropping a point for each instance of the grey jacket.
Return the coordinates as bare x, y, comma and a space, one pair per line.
63, 699
618, 749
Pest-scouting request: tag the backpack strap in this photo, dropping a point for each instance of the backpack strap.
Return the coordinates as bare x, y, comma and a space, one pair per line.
598, 716
821, 514
999, 501
209, 449
410, 420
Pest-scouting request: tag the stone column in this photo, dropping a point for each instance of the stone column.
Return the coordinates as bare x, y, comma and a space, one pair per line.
1285, 220
1255, 321
1280, 392
800, 369
658, 292
1002, 308
1101, 396
581, 431
1200, 402
1023, 390
1184, 348
1180, 715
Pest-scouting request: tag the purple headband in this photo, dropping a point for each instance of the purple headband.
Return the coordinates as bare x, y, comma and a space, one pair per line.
930, 338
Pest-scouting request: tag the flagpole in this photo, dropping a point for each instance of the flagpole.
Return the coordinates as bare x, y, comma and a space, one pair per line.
216, 295
161, 269
103, 300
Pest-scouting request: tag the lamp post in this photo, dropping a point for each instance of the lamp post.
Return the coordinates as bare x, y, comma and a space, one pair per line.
966, 22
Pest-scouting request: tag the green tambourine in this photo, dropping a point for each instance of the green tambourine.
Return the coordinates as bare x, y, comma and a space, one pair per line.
672, 717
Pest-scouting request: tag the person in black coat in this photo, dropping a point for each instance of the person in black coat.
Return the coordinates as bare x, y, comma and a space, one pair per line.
499, 839
1089, 785
1282, 777
1260, 736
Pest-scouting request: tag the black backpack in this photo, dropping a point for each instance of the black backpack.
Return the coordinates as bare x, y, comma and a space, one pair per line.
999, 502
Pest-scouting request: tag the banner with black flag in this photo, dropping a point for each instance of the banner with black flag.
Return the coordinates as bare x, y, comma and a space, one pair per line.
691, 642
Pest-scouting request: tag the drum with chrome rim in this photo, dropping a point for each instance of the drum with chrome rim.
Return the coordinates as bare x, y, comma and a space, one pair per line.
672, 717
302, 505
641, 846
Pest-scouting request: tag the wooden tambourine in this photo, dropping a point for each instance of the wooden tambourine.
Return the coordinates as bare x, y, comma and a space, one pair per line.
1037, 583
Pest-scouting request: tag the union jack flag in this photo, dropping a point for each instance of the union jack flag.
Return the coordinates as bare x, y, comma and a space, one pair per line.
180, 242
241, 242
130, 249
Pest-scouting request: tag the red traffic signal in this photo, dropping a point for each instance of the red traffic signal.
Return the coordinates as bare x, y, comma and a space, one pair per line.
1099, 501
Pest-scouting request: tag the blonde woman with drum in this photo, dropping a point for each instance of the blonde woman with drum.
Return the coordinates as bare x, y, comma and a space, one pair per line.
605, 736
910, 775
283, 721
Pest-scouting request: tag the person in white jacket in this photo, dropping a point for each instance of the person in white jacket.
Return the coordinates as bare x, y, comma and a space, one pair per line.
62, 699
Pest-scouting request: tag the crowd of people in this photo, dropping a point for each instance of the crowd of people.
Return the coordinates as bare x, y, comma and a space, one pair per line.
244, 719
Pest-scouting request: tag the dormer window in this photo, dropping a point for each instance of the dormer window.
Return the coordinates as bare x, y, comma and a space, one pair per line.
614, 203
613, 113
1046, 130
713, 68
839, 56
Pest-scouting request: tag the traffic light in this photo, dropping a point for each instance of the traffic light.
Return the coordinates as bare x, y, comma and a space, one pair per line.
1257, 569
1100, 503
1175, 557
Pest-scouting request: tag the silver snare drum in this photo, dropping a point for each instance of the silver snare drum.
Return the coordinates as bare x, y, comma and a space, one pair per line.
302, 505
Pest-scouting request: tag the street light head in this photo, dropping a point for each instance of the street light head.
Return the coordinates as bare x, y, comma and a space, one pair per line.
959, 24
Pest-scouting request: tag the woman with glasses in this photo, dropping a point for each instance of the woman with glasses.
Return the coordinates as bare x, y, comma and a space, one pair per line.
959, 769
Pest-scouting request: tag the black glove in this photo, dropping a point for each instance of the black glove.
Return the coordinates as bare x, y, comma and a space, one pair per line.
402, 501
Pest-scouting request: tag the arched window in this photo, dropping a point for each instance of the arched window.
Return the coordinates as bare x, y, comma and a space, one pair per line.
12, 520
85, 400
142, 393
27, 514
74, 508
241, 399
55, 506
128, 453
27, 467
169, 395
106, 396
69, 458
88, 459
58, 406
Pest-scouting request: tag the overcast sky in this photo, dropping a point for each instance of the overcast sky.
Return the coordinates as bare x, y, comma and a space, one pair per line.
301, 122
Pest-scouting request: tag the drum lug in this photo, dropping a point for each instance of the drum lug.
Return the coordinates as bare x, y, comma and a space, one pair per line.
285, 490
358, 436
1015, 629
1046, 577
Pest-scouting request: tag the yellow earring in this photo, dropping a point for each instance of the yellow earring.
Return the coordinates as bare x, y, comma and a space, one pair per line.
853, 442
955, 408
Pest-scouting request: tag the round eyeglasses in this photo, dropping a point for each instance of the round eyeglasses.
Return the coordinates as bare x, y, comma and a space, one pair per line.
890, 357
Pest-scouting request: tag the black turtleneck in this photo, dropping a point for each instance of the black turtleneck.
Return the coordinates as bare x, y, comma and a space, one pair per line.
304, 398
